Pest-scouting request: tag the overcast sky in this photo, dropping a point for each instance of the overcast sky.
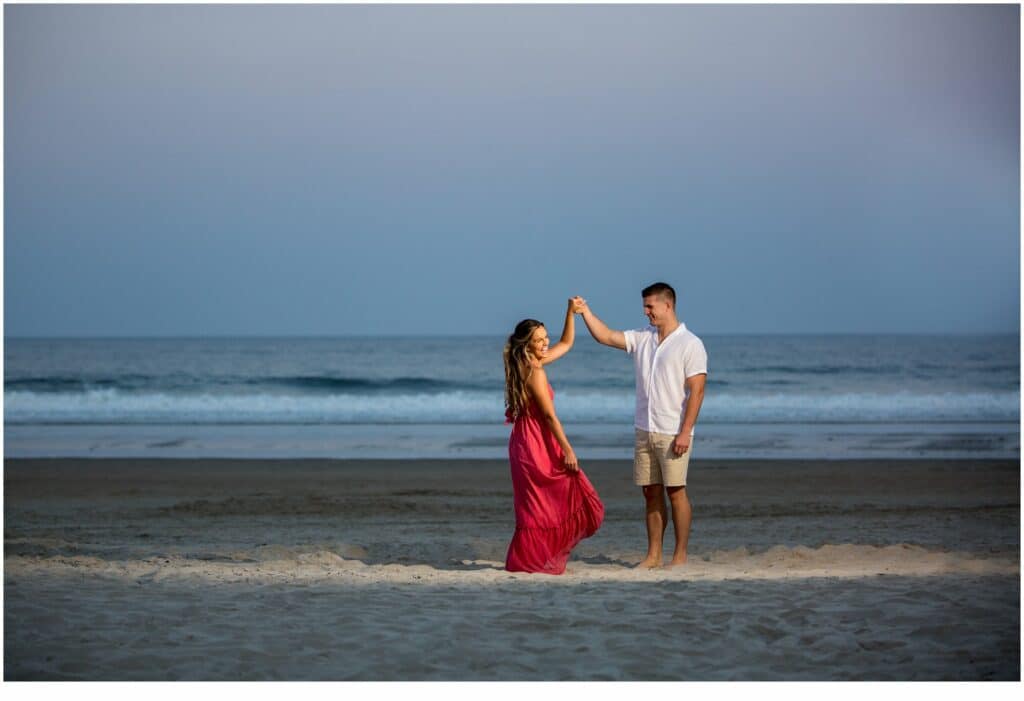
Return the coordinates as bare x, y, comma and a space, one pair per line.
323, 170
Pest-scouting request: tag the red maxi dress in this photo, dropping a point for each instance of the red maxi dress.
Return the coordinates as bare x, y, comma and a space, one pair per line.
555, 508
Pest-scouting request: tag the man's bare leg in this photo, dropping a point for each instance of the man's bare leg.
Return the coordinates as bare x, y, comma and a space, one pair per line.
681, 517
657, 518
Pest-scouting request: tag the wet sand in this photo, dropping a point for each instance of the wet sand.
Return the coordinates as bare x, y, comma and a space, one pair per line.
392, 570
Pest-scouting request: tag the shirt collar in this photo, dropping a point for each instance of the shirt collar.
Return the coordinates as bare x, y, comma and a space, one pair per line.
654, 329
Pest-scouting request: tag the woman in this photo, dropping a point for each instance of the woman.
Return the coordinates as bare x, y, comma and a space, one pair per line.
556, 506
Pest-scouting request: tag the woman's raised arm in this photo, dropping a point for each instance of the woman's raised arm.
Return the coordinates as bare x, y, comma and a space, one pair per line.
556, 351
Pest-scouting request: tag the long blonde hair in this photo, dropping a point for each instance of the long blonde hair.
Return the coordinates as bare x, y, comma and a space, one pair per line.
518, 367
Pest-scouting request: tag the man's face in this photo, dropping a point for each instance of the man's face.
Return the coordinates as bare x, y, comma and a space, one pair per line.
657, 309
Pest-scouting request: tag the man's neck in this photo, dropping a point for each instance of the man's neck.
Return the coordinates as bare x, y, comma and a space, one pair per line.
667, 328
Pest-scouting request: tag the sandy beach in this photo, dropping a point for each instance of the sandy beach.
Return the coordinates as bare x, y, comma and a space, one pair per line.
121, 569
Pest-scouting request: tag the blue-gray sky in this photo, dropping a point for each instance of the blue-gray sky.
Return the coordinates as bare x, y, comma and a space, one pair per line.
322, 170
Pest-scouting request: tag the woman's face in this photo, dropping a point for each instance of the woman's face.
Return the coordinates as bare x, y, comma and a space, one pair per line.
538, 345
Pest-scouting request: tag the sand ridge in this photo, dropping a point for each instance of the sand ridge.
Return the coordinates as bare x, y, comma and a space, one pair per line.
310, 565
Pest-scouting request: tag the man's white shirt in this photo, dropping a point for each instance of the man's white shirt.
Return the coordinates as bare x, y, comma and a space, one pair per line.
661, 373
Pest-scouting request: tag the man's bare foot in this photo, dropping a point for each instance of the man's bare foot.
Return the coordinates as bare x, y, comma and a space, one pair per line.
678, 561
650, 563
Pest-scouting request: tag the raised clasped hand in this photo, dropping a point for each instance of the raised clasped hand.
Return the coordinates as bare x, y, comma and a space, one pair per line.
577, 304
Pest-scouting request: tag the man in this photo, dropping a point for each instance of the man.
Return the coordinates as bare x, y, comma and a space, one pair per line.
671, 368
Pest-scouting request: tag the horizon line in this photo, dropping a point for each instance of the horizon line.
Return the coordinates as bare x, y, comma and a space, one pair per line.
254, 336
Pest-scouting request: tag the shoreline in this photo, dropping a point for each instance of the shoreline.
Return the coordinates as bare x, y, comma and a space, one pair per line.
489, 441
709, 463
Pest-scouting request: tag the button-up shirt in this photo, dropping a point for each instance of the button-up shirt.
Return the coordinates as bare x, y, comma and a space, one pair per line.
661, 373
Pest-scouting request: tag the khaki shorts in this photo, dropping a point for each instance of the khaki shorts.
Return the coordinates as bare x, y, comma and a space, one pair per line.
655, 463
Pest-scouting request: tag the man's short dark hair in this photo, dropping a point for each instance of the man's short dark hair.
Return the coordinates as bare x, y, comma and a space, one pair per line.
660, 288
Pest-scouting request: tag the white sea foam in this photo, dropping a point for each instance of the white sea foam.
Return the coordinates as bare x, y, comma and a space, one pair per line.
613, 406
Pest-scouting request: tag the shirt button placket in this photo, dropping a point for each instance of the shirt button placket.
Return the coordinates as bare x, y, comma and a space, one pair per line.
650, 387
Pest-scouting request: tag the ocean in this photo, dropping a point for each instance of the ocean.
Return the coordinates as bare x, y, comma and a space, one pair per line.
768, 396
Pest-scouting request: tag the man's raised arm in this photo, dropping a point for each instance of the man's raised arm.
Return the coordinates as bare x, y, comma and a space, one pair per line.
601, 333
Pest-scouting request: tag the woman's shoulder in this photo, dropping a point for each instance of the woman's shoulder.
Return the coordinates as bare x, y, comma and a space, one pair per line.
538, 375
538, 382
